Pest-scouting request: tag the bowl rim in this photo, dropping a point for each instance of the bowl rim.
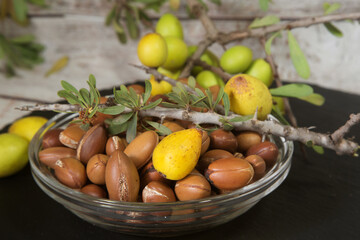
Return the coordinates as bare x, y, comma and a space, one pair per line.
244, 193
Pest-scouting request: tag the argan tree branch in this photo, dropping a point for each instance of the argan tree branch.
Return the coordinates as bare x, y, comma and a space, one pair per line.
225, 76
340, 133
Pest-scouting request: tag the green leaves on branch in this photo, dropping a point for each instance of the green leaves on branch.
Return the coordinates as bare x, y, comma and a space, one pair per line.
269, 42
265, 21
328, 9
298, 58
264, 4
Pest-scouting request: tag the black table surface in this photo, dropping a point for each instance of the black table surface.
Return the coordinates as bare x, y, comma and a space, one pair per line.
320, 198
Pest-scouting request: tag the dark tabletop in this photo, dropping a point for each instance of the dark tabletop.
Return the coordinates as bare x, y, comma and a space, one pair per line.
320, 198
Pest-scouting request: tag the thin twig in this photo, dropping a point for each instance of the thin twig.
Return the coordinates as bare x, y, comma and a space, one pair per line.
340, 133
225, 76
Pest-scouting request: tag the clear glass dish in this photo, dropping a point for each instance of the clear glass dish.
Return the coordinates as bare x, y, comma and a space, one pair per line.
157, 219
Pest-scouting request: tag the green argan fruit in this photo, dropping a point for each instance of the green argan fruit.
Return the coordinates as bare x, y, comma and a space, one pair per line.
261, 70
236, 59
169, 26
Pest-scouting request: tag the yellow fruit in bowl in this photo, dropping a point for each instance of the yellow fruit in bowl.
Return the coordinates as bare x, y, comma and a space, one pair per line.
27, 126
169, 25
159, 88
13, 154
177, 154
261, 70
177, 53
152, 50
247, 94
236, 59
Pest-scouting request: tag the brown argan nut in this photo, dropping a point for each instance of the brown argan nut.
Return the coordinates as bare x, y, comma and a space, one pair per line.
193, 186
158, 192
229, 173
247, 139
267, 150
94, 190
221, 139
70, 172
113, 143
95, 168
149, 174
72, 135
122, 178
51, 138
258, 165
211, 156
137, 88
93, 142
205, 142
173, 126
50, 155
141, 148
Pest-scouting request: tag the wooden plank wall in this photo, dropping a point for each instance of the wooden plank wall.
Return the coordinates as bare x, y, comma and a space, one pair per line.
76, 28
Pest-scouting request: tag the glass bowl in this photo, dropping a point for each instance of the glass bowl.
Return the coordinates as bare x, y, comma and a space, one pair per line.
156, 219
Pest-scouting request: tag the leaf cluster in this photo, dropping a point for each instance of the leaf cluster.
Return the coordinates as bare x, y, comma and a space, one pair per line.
19, 52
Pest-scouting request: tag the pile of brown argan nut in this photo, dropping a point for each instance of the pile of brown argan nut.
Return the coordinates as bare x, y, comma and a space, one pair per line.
108, 167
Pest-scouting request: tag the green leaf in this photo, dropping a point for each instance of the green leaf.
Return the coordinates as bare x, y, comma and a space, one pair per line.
217, 2
20, 9
330, 8
209, 98
219, 96
122, 37
69, 87
161, 129
275, 111
24, 39
131, 25
148, 89
333, 30
228, 127
298, 58
269, 42
58, 66
111, 15
69, 97
226, 101
131, 131
314, 98
85, 96
264, 5
318, 149
41, 3
241, 118
191, 82
121, 119
297, 90
152, 105
113, 110
92, 80
117, 128
265, 21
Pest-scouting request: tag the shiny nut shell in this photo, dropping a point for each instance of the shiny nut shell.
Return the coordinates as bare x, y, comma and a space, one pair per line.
158, 192
72, 135
149, 174
122, 178
229, 173
113, 143
258, 165
93, 142
95, 169
211, 156
94, 190
141, 148
267, 150
51, 138
70, 172
221, 139
205, 142
50, 155
193, 186
247, 139
173, 126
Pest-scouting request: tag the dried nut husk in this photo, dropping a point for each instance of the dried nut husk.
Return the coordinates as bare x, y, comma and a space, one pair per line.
51, 138
114, 143
247, 139
211, 156
267, 150
258, 165
93, 142
72, 135
149, 174
122, 178
94, 190
221, 139
229, 173
50, 155
70, 172
95, 168
141, 148
194, 186
158, 192
177, 154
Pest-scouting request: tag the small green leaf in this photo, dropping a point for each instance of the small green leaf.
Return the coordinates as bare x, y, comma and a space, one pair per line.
297, 90
318, 149
161, 129
269, 42
264, 5
113, 110
265, 21
147, 92
69, 97
333, 30
131, 131
122, 118
24, 39
217, 2
226, 101
219, 96
314, 98
275, 111
111, 15
152, 105
169, 105
58, 65
20, 9
122, 37
228, 127
241, 118
69, 87
330, 8
131, 25
85, 96
191, 82
298, 58
92, 80
117, 128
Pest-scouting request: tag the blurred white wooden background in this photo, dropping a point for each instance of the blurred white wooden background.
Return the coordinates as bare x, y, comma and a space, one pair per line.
76, 28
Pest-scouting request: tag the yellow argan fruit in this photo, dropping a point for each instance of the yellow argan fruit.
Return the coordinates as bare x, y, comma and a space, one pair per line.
152, 50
